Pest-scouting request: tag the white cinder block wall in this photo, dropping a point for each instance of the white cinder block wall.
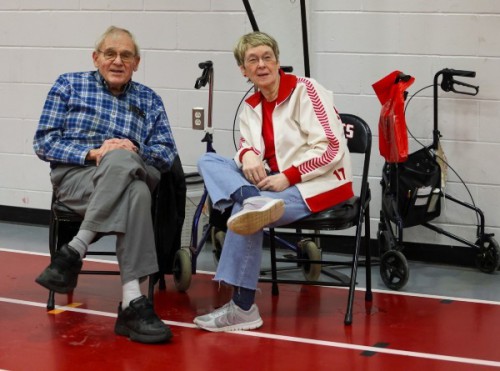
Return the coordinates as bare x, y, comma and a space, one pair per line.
352, 44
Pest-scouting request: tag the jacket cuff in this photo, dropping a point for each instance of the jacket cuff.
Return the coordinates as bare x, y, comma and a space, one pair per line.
293, 175
243, 151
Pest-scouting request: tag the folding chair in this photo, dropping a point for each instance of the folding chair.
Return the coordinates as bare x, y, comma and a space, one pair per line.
168, 218
351, 213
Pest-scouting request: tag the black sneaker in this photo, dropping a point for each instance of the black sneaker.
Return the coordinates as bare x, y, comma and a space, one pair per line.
62, 274
140, 323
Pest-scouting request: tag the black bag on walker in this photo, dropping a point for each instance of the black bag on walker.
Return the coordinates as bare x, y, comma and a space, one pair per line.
418, 182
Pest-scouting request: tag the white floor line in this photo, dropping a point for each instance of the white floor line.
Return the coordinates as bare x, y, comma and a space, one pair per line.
294, 339
24, 252
438, 297
97, 260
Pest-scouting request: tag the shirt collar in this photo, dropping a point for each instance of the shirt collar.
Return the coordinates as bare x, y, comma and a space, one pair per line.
100, 79
288, 82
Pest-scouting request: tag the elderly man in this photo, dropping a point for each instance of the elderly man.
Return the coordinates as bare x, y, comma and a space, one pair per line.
108, 139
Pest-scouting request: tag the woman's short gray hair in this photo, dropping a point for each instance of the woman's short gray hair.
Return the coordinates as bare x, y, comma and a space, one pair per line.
252, 40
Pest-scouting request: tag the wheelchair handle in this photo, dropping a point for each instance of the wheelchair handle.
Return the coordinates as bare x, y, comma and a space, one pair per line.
206, 64
205, 75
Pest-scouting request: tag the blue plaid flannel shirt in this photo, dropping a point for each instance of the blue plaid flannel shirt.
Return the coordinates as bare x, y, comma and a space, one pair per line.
80, 114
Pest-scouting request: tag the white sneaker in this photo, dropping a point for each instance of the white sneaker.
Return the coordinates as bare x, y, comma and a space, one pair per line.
230, 317
257, 213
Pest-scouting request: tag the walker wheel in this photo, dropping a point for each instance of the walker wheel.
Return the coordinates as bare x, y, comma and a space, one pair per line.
488, 257
182, 269
310, 251
218, 236
394, 269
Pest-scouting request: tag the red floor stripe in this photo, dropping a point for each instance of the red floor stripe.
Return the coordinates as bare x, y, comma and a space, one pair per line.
303, 329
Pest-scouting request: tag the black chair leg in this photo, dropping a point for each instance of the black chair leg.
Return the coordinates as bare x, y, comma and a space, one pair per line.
350, 300
354, 273
274, 269
368, 254
151, 287
51, 301
162, 285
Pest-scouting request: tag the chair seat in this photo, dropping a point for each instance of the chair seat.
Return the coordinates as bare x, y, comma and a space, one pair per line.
340, 216
64, 213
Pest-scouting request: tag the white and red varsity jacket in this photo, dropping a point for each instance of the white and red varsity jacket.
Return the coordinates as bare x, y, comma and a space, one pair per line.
311, 148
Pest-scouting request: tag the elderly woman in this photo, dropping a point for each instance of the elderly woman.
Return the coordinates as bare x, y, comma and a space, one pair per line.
292, 161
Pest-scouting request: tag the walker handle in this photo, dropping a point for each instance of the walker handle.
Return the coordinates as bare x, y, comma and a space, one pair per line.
448, 83
459, 72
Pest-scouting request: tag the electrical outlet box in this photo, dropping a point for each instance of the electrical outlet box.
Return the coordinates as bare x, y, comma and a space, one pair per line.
198, 118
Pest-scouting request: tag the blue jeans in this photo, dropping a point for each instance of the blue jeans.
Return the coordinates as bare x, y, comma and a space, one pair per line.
240, 261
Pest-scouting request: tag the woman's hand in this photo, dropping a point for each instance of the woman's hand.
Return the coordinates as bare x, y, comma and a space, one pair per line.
253, 168
276, 183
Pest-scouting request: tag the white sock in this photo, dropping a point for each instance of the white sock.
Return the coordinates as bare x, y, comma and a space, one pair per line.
131, 291
81, 241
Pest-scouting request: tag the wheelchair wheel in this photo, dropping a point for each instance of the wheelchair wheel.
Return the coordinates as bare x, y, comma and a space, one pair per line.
182, 269
383, 244
394, 269
386, 241
488, 257
310, 251
217, 235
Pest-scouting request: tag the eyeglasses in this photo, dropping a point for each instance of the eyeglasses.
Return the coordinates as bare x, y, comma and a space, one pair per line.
110, 55
254, 60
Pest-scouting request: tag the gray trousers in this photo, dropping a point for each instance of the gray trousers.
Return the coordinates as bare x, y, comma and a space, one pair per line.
115, 198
